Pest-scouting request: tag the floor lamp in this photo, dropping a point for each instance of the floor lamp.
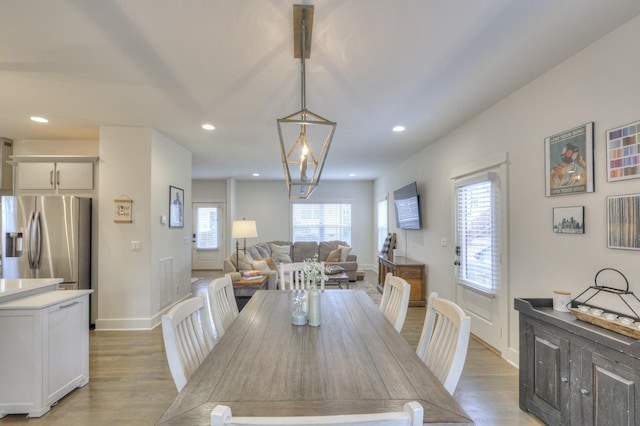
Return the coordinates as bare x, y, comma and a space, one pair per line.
243, 229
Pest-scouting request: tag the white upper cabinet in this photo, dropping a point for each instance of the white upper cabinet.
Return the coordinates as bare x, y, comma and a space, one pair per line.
55, 175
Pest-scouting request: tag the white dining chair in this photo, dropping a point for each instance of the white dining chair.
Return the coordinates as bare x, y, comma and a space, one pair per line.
411, 415
206, 318
444, 340
292, 277
184, 340
395, 300
224, 308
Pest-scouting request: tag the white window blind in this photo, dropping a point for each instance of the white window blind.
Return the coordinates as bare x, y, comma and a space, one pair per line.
383, 227
321, 222
477, 232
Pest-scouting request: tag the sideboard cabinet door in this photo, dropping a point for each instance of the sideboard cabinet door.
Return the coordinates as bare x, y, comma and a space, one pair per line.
547, 373
607, 390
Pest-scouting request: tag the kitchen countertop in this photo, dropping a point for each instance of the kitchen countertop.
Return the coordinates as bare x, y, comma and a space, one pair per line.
16, 288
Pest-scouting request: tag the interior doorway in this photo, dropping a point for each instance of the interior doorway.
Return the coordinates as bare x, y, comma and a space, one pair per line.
208, 236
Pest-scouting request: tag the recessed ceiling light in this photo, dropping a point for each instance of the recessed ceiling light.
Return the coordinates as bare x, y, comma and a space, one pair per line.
352, 174
39, 119
398, 129
208, 126
256, 174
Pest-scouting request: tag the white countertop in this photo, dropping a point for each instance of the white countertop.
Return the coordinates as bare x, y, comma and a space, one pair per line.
11, 288
43, 300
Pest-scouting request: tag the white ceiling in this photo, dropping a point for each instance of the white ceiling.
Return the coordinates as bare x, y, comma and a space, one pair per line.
173, 65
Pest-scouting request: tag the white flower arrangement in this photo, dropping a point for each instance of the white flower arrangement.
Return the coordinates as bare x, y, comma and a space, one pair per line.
314, 270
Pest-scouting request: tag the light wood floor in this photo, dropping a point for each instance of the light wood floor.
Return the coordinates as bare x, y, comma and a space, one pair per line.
130, 383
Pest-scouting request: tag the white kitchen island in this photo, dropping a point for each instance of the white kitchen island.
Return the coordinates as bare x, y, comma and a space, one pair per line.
45, 346
16, 288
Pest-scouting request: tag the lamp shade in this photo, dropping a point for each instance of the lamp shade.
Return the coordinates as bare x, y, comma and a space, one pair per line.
244, 229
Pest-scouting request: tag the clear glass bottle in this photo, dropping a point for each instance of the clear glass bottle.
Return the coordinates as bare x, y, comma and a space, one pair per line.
314, 306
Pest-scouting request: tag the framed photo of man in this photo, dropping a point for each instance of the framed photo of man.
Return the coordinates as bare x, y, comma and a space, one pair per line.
176, 207
569, 161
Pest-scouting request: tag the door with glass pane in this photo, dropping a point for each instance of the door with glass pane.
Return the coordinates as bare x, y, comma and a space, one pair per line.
480, 265
208, 238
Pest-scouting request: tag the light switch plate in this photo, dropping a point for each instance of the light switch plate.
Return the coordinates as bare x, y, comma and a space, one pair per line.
136, 245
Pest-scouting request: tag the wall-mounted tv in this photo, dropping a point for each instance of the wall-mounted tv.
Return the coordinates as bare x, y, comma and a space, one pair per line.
407, 204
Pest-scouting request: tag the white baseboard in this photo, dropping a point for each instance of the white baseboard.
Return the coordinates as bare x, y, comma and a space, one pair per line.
133, 324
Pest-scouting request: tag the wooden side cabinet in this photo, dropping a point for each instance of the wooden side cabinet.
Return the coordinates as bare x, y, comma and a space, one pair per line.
413, 272
575, 373
45, 350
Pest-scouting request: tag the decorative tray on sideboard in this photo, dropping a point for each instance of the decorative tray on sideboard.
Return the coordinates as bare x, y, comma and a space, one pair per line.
626, 323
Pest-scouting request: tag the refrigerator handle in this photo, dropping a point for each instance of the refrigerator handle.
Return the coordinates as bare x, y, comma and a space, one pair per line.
29, 239
38, 241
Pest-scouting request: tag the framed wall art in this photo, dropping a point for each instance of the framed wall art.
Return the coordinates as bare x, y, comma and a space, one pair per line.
568, 220
123, 210
623, 222
569, 161
176, 207
623, 152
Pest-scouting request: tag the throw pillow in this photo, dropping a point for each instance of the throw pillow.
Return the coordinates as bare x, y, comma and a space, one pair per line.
334, 255
344, 252
280, 254
270, 263
243, 263
260, 265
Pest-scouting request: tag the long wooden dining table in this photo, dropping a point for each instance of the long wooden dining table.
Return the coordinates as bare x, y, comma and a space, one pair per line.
354, 362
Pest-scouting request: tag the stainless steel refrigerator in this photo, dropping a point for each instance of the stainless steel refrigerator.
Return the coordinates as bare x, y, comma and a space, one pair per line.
47, 236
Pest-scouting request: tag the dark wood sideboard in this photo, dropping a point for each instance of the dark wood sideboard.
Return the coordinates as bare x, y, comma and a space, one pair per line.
412, 271
573, 372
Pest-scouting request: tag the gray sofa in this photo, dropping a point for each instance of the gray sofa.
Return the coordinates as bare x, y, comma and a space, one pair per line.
298, 252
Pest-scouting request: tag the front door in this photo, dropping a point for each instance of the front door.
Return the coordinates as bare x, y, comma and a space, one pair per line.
208, 238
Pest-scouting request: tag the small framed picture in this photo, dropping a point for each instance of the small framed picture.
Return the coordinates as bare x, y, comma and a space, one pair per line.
569, 161
623, 222
568, 220
176, 207
623, 152
123, 212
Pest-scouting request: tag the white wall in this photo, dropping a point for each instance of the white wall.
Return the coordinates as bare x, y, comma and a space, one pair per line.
139, 163
599, 84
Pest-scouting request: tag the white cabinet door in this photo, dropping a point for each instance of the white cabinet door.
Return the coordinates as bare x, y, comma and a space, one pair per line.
74, 175
36, 175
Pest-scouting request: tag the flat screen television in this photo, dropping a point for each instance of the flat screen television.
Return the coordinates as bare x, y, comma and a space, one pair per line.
407, 202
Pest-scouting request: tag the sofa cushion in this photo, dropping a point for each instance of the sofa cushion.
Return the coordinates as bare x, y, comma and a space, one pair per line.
344, 252
303, 250
280, 254
243, 263
326, 247
259, 251
270, 263
334, 256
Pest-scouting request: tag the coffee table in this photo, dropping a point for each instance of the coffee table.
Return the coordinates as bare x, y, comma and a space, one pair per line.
244, 289
338, 279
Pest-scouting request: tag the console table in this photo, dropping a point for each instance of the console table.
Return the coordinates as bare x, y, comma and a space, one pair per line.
573, 372
410, 270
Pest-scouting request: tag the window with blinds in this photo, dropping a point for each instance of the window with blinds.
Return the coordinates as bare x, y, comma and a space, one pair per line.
321, 222
383, 227
477, 232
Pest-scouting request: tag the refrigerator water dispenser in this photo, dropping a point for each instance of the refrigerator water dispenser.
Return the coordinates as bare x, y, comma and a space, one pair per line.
13, 244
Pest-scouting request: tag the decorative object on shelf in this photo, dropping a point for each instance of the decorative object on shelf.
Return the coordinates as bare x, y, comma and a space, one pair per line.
298, 317
623, 152
568, 220
304, 159
584, 308
176, 207
569, 161
388, 246
561, 298
623, 222
124, 209
243, 229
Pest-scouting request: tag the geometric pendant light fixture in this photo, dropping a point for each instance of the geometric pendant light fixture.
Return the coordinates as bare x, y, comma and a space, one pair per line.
305, 137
